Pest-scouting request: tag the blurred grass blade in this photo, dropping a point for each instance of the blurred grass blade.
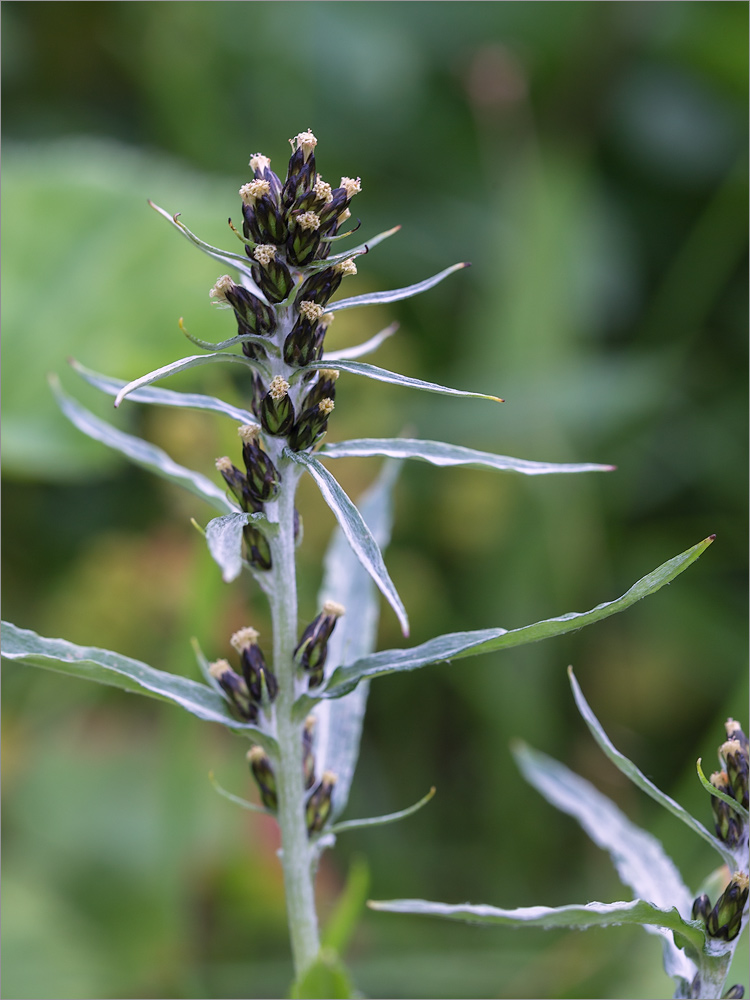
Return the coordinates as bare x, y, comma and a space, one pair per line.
639, 858
339, 721
376, 298
349, 907
325, 979
235, 260
358, 824
163, 397
194, 361
456, 645
636, 911
442, 454
629, 769
382, 375
224, 538
366, 347
357, 534
140, 451
105, 667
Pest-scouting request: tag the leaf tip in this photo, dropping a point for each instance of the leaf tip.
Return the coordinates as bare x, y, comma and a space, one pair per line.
711, 538
466, 263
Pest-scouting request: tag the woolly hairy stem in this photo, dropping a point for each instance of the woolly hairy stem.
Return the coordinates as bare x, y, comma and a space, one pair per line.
296, 856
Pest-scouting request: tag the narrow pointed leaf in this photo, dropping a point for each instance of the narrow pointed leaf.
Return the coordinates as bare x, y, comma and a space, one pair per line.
163, 397
366, 347
358, 824
140, 451
235, 260
444, 455
361, 247
357, 534
717, 793
224, 538
194, 361
243, 803
636, 911
339, 721
382, 375
376, 298
241, 338
629, 769
456, 645
639, 858
105, 667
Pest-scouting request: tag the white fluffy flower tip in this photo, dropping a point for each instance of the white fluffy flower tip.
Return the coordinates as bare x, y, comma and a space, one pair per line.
311, 311
244, 637
248, 432
254, 190
259, 162
346, 266
305, 141
352, 186
278, 388
334, 608
308, 220
223, 285
264, 253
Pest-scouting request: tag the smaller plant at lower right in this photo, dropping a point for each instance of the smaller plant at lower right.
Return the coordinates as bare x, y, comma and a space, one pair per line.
699, 933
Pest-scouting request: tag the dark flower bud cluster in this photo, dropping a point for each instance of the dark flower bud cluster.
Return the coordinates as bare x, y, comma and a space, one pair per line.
730, 827
260, 765
308, 757
319, 804
312, 649
256, 685
287, 229
724, 920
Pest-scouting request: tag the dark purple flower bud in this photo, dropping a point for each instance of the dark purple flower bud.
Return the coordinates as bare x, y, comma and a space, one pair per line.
254, 669
319, 804
308, 757
312, 649
263, 478
257, 547
725, 920
252, 315
235, 688
312, 423
270, 273
277, 410
260, 765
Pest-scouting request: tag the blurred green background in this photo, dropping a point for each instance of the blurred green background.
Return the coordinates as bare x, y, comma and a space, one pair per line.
590, 160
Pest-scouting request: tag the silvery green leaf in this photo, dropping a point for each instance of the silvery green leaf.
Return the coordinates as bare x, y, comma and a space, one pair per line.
357, 533
339, 721
105, 667
241, 338
164, 397
366, 347
362, 247
194, 361
140, 452
456, 645
377, 298
442, 454
358, 824
382, 375
639, 858
636, 911
243, 803
224, 538
235, 260
630, 770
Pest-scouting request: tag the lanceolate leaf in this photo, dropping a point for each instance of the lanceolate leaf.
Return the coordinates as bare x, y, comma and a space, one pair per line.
456, 645
629, 769
356, 532
637, 911
235, 260
241, 338
140, 452
442, 454
366, 347
358, 824
375, 298
182, 365
639, 858
106, 667
382, 375
339, 720
361, 248
224, 538
164, 397
717, 793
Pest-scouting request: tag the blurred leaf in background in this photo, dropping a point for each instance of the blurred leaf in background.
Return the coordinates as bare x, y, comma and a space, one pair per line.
589, 159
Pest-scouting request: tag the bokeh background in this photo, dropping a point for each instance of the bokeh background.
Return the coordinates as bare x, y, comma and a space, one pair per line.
590, 160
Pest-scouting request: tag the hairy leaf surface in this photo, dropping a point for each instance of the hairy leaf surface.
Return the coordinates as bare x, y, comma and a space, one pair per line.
140, 451
377, 298
383, 375
194, 361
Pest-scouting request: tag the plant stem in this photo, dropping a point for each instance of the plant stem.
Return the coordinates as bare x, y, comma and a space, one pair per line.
296, 856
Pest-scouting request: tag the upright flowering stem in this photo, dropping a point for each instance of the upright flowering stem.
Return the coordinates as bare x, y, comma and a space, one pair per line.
296, 857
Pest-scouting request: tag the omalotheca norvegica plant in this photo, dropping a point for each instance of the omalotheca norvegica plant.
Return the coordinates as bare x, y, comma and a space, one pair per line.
300, 698
698, 936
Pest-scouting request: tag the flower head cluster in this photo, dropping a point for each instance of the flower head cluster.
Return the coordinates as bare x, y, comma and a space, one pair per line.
282, 320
